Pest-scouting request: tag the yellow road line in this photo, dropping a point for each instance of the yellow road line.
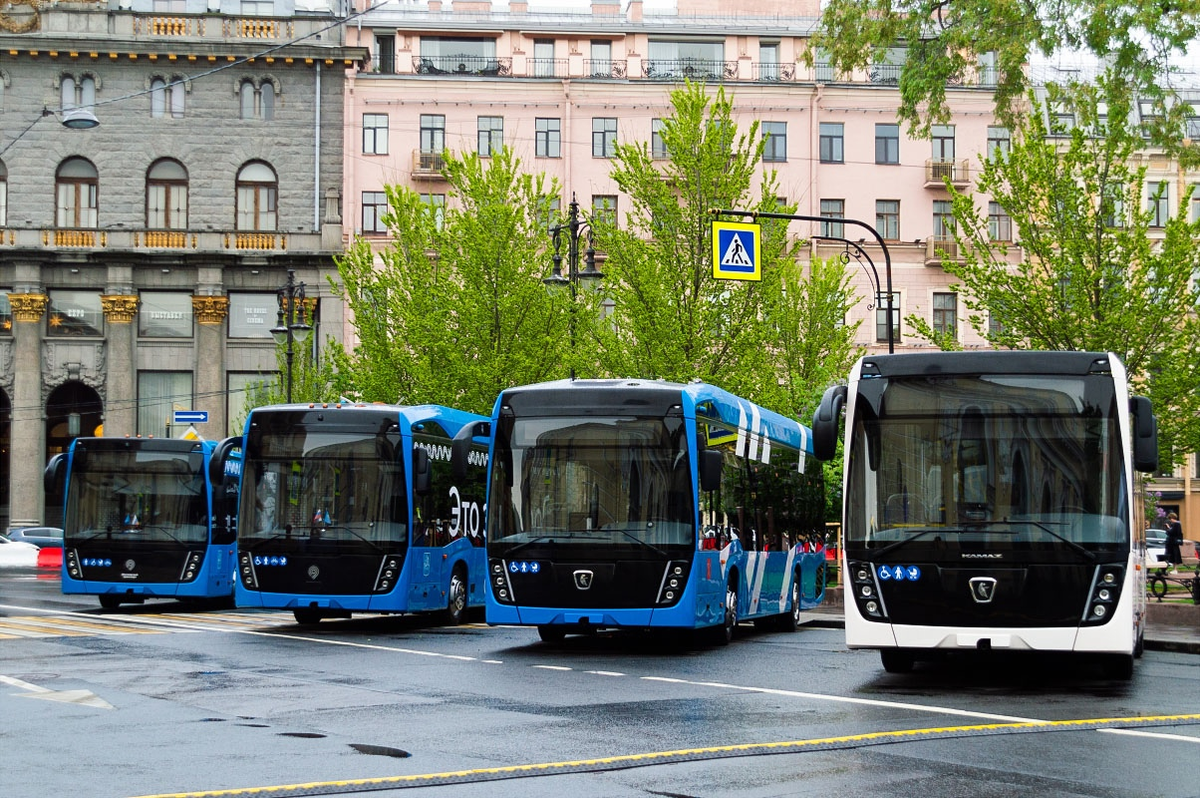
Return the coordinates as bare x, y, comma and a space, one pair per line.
683, 755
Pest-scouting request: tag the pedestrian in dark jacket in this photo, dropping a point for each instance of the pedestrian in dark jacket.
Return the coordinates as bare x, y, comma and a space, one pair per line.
1174, 554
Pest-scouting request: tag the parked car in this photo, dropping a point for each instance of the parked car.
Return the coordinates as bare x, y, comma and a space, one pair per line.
40, 536
17, 554
1156, 548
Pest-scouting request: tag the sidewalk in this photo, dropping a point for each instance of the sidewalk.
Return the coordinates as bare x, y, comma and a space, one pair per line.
1170, 625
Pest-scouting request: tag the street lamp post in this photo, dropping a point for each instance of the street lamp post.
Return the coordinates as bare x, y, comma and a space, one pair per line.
290, 325
574, 227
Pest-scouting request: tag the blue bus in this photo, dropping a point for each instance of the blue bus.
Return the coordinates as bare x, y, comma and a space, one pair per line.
352, 508
147, 518
632, 504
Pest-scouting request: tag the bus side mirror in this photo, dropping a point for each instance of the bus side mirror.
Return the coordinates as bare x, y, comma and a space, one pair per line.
1145, 434
460, 447
826, 421
55, 474
220, 457
711, 462
421, 480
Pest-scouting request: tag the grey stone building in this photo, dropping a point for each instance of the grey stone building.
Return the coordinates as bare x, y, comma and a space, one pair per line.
141, 259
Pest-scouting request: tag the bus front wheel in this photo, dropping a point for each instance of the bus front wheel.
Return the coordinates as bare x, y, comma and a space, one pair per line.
307, 616
456, 605
551, 634
109, 601
897, 660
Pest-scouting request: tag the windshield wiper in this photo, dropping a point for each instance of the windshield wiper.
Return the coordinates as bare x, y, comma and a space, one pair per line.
1040, 525
640, 542
906, 540
315, 534
548, 539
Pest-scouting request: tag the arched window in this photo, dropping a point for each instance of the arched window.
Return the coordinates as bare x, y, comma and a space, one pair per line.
79, 93
257, 101
167, 196
158, 98
166, 97
77, 186
247, 98
3, 194
257, 195
267, 104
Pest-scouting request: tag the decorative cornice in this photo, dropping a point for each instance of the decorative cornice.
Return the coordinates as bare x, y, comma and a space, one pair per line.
28, 307
210, 309
119, 309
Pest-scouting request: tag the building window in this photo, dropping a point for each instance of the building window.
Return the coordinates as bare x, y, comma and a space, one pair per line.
604, 208
169, 6
999, 223
77, 186
4, 192
989, 68
238, 386
943, 219
831, 142
775, 141
768, 61
74, 314
887, 143
491, 135
374, 206
547, 137
604, 137
375, 134
881, 317
887, 219
601, 57
6, 320
1112, 205
437, 207
999, 142
159, 394
433, 133
385, 54
1157, 197
167, 195
257, 197
78, 93
252, 315
658, 147
835, 208
166, 97
257, 100
943, 142
1194, 203
164, 314
945, 313
543, 58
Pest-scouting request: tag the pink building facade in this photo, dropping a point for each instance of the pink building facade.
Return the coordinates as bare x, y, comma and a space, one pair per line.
561, 87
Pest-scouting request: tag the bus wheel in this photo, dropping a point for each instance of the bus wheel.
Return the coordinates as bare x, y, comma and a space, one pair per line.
1118, 667
790, 621
307, 616
731, 614
551, 634
456, 607
109, 601
896, 660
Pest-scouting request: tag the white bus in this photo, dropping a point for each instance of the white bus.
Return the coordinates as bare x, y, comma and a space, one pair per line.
989, 504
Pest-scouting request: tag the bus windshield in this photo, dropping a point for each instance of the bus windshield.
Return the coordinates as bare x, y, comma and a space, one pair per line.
1012, 463
138, 495
340, 488
608, 481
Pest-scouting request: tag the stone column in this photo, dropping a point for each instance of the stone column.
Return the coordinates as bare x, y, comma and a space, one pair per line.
28, 451
210, 312
120, 413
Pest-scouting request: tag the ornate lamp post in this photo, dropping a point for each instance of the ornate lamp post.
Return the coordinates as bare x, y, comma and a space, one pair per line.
573, 228
290, 325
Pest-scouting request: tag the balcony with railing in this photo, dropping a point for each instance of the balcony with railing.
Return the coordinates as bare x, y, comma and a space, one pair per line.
547, 68
427, 165
605, 68
941, 248
689, 69
773, 73
938, 171
478, 65
123, 239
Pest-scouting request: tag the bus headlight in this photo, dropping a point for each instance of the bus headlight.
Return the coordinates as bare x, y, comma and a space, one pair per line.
865, 590
674, 577
246, 571
1105, 594
388, 569
501, 589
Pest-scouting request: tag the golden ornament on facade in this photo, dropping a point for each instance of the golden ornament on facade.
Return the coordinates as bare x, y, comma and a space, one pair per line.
119, 309
210, 309
28, 307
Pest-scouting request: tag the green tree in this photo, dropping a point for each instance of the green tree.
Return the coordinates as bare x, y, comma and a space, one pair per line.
454, 310
944, 42
1091, 275
672, 320
314, 379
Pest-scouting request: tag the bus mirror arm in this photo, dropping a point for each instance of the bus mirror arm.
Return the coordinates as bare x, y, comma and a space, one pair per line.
825, 422
1145, 434
460, 447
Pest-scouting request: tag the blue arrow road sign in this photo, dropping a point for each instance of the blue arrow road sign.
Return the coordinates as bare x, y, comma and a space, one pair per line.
190, 417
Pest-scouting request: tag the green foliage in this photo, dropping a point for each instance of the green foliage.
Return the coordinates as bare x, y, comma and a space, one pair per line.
945, 40
313, 379
453, 313
1090, 276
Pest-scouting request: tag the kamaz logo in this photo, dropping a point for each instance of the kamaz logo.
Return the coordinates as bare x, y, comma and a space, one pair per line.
982, 556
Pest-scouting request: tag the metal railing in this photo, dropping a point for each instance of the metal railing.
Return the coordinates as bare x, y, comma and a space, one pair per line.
462, 65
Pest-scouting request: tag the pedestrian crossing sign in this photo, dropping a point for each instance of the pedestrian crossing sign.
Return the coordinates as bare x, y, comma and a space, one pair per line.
736, 251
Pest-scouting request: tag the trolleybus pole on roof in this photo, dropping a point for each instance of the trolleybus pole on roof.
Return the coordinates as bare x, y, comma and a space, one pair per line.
859, 251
